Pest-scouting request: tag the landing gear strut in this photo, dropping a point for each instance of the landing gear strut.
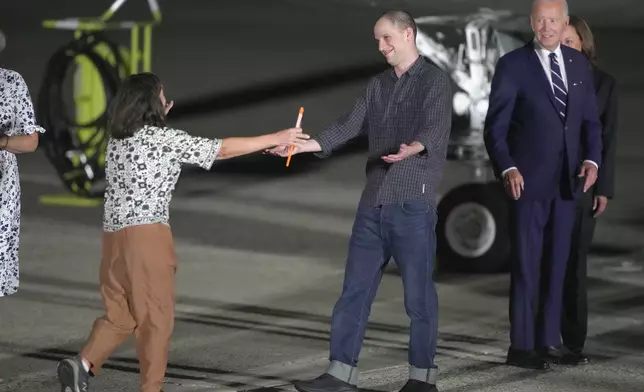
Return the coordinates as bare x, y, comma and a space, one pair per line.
472, 228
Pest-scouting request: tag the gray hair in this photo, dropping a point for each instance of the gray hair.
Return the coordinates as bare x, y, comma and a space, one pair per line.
565, 4
400, 19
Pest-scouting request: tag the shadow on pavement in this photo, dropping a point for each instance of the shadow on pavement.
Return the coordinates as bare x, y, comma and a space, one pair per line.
253, 318
614, 344
130, 365
288, 388
245, 316
606, 250
261, 166
271, 91
631, 338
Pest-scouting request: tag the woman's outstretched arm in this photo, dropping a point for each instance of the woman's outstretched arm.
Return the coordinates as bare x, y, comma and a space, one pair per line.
235, 146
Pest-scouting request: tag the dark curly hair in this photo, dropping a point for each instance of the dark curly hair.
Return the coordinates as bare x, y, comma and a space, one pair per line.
136, 104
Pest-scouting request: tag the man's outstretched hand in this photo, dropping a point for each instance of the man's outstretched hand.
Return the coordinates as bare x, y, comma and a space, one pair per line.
405, 151
309, 145
281, 151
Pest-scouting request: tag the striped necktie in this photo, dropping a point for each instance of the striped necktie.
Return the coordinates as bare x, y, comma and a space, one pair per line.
559, 87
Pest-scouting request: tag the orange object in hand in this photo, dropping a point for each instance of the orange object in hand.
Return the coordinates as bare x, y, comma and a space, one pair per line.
297, 125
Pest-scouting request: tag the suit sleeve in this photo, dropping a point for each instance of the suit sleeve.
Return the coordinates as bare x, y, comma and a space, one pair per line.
503, 96
606, 178
591, 127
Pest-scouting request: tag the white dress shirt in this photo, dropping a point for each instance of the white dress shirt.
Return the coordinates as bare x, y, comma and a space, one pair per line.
544, 57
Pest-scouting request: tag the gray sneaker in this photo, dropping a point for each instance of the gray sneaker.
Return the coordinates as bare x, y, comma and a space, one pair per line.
72, 375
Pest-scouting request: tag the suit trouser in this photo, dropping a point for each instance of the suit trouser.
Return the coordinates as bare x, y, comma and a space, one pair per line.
574, 319
541, 235
137, 286
406, 232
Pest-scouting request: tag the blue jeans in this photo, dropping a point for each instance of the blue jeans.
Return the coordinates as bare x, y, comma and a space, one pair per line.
406, 232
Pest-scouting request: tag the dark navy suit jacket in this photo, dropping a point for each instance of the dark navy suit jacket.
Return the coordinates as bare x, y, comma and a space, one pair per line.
523, 128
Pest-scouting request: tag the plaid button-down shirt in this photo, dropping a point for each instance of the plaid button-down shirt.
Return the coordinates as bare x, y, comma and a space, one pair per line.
394, 111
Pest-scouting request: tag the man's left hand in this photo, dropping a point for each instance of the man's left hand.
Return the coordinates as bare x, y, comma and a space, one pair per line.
405, 151
599, 205
589, 171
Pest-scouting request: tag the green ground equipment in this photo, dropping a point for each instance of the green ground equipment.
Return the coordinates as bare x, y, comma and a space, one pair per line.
75, 143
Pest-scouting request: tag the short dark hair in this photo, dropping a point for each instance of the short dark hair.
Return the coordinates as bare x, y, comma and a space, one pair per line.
586, 36
401, 19
136, 104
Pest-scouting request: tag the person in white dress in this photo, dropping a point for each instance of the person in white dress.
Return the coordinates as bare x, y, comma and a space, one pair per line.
18, 135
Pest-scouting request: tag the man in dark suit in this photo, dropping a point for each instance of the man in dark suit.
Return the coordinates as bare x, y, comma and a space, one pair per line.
543, 137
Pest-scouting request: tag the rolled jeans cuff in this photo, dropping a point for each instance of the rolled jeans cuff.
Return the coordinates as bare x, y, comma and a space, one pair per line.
343, 372
425, 375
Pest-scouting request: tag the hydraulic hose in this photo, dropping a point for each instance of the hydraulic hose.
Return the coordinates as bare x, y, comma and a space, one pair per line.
79, 159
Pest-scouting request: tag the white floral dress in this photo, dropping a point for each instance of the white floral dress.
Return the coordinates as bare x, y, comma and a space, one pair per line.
16, 118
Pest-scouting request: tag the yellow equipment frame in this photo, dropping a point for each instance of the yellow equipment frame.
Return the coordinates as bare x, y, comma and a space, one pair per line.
89, 94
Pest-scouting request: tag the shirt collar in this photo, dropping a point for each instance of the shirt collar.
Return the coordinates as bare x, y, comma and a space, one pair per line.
415, 69
544, 53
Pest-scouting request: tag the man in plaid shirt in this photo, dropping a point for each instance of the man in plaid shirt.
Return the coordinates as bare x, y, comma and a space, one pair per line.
406, 114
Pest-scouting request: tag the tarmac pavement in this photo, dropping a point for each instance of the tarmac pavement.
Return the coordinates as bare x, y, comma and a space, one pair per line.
261, 248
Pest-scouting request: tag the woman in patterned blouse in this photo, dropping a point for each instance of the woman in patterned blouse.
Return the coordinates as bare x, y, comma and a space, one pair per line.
144, 160
18, 135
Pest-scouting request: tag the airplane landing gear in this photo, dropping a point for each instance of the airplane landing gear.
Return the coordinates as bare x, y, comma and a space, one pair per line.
472, 229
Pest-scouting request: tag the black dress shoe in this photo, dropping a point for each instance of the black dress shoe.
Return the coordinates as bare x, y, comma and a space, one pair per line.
325, 383
526, 359
550, 354
418, 386
573, 359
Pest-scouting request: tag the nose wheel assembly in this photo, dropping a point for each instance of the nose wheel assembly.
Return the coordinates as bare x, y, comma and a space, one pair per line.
473, 219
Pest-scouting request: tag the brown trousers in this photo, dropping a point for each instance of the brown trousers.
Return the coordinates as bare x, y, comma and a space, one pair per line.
137, 285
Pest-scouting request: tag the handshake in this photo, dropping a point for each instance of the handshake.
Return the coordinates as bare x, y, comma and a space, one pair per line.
299, 142
288, 141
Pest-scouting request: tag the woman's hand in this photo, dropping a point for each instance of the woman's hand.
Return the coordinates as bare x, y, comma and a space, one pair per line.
290, 137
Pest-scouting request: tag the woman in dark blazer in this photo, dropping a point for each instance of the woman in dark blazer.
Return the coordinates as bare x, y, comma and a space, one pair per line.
575, 315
